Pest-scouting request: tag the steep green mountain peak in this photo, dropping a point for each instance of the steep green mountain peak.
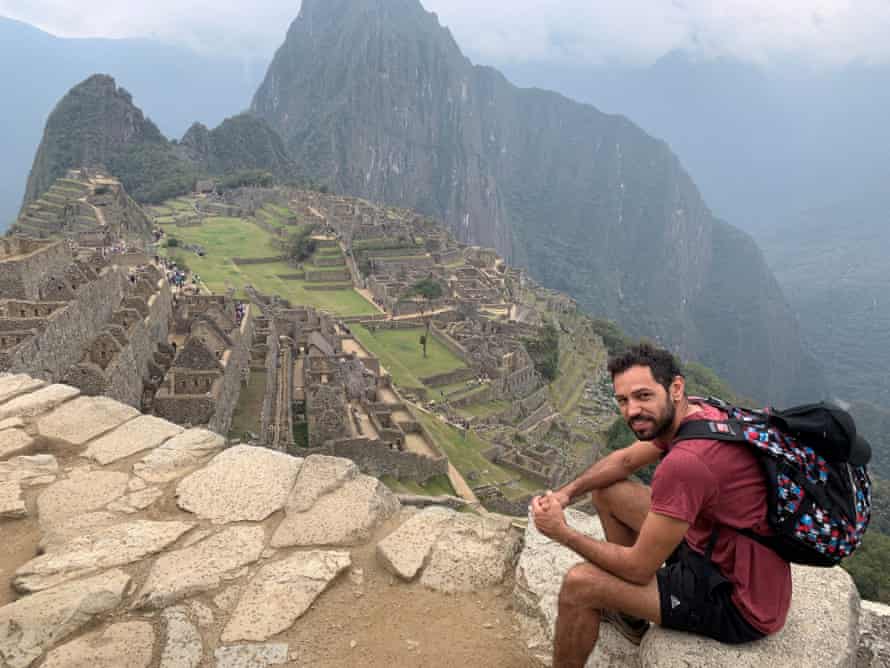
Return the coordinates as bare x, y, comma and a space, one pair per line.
375, 99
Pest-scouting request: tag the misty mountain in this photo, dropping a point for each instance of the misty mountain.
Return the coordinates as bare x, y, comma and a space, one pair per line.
833, 265
762, 143
174, 85
375, 99
97, 124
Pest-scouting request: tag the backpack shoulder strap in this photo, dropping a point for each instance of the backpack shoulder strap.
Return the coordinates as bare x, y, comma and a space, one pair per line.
731, 431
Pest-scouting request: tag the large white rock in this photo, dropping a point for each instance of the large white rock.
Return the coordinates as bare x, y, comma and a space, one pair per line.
281, 592
542, 566
34, 624
12, 504
454, 551
874, 636
472, 553
241, 483
14, 442
822, 630
343, 514
58, 535
321, 475
100, 548
17, 385
181, 573
184, 647
26, 468
251, 656
83, 492
127, 644
84, 419
405, 550
179, 456
143, 433
37, 402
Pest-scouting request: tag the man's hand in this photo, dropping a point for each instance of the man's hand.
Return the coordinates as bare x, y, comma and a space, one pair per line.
549, 517
560, 497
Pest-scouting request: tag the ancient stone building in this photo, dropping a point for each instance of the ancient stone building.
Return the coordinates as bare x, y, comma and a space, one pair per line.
202, 385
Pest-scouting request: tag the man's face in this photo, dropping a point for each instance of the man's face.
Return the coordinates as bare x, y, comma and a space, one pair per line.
644, 403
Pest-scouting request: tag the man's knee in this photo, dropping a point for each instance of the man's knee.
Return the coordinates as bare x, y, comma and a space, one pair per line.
581, 586
602, 497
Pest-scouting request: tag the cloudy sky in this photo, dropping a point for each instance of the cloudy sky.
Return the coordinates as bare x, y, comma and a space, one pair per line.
821, 32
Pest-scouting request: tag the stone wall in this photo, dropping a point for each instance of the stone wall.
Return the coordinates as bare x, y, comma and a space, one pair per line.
543, 411
235, 367
126, 375
456, 376
50, 353
271, 366
328, 275
26, 264
450, 343
258, 260
379, 459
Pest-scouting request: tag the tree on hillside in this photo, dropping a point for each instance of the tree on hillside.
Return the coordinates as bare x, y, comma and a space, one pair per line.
300, 246
429, 290
544, 351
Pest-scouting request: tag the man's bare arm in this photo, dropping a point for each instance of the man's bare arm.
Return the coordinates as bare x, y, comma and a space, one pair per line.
610, 469
659, 536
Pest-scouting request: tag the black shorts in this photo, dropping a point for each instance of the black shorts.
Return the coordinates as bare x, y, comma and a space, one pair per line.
696, 598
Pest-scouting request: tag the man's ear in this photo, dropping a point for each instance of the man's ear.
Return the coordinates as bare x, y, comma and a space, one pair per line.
678, 388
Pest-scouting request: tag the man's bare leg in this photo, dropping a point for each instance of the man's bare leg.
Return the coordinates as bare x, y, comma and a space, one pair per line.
586, 590
622, 507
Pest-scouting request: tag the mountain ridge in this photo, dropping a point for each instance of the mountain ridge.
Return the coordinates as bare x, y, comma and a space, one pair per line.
402, 116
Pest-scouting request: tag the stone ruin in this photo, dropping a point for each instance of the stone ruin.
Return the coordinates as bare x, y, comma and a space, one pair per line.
203, 382
93, 325
86, 207
337, 396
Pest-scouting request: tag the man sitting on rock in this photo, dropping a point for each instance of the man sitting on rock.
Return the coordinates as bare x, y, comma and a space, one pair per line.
715, 581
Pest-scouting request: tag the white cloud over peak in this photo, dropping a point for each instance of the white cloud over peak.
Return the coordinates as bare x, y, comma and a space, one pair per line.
819, 32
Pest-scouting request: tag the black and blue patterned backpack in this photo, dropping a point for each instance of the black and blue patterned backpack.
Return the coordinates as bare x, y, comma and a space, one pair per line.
814, 463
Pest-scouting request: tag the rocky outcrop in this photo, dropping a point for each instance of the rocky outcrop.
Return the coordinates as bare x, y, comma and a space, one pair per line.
36, 623
375, 99
333, 511
242, 483
822, 627
451, 551
874, 636
127, 644
281, 592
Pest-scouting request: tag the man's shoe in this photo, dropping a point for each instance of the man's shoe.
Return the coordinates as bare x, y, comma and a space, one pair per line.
632, 628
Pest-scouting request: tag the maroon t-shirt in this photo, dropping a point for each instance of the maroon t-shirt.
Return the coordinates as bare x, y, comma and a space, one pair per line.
706, 482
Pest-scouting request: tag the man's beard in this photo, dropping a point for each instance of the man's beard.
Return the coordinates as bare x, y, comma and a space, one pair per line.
658, 427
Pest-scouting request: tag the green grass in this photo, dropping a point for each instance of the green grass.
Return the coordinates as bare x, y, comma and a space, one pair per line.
399, 350
466, 455
224, 238
436, 486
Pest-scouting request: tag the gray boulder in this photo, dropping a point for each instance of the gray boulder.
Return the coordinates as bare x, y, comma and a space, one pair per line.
822, 630
874, 636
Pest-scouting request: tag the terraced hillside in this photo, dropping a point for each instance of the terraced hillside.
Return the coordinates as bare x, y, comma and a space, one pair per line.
84, 207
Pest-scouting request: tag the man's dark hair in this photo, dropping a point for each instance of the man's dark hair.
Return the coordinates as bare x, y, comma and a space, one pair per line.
664, 365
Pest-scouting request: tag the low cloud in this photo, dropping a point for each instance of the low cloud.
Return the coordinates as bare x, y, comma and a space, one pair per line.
820, 32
